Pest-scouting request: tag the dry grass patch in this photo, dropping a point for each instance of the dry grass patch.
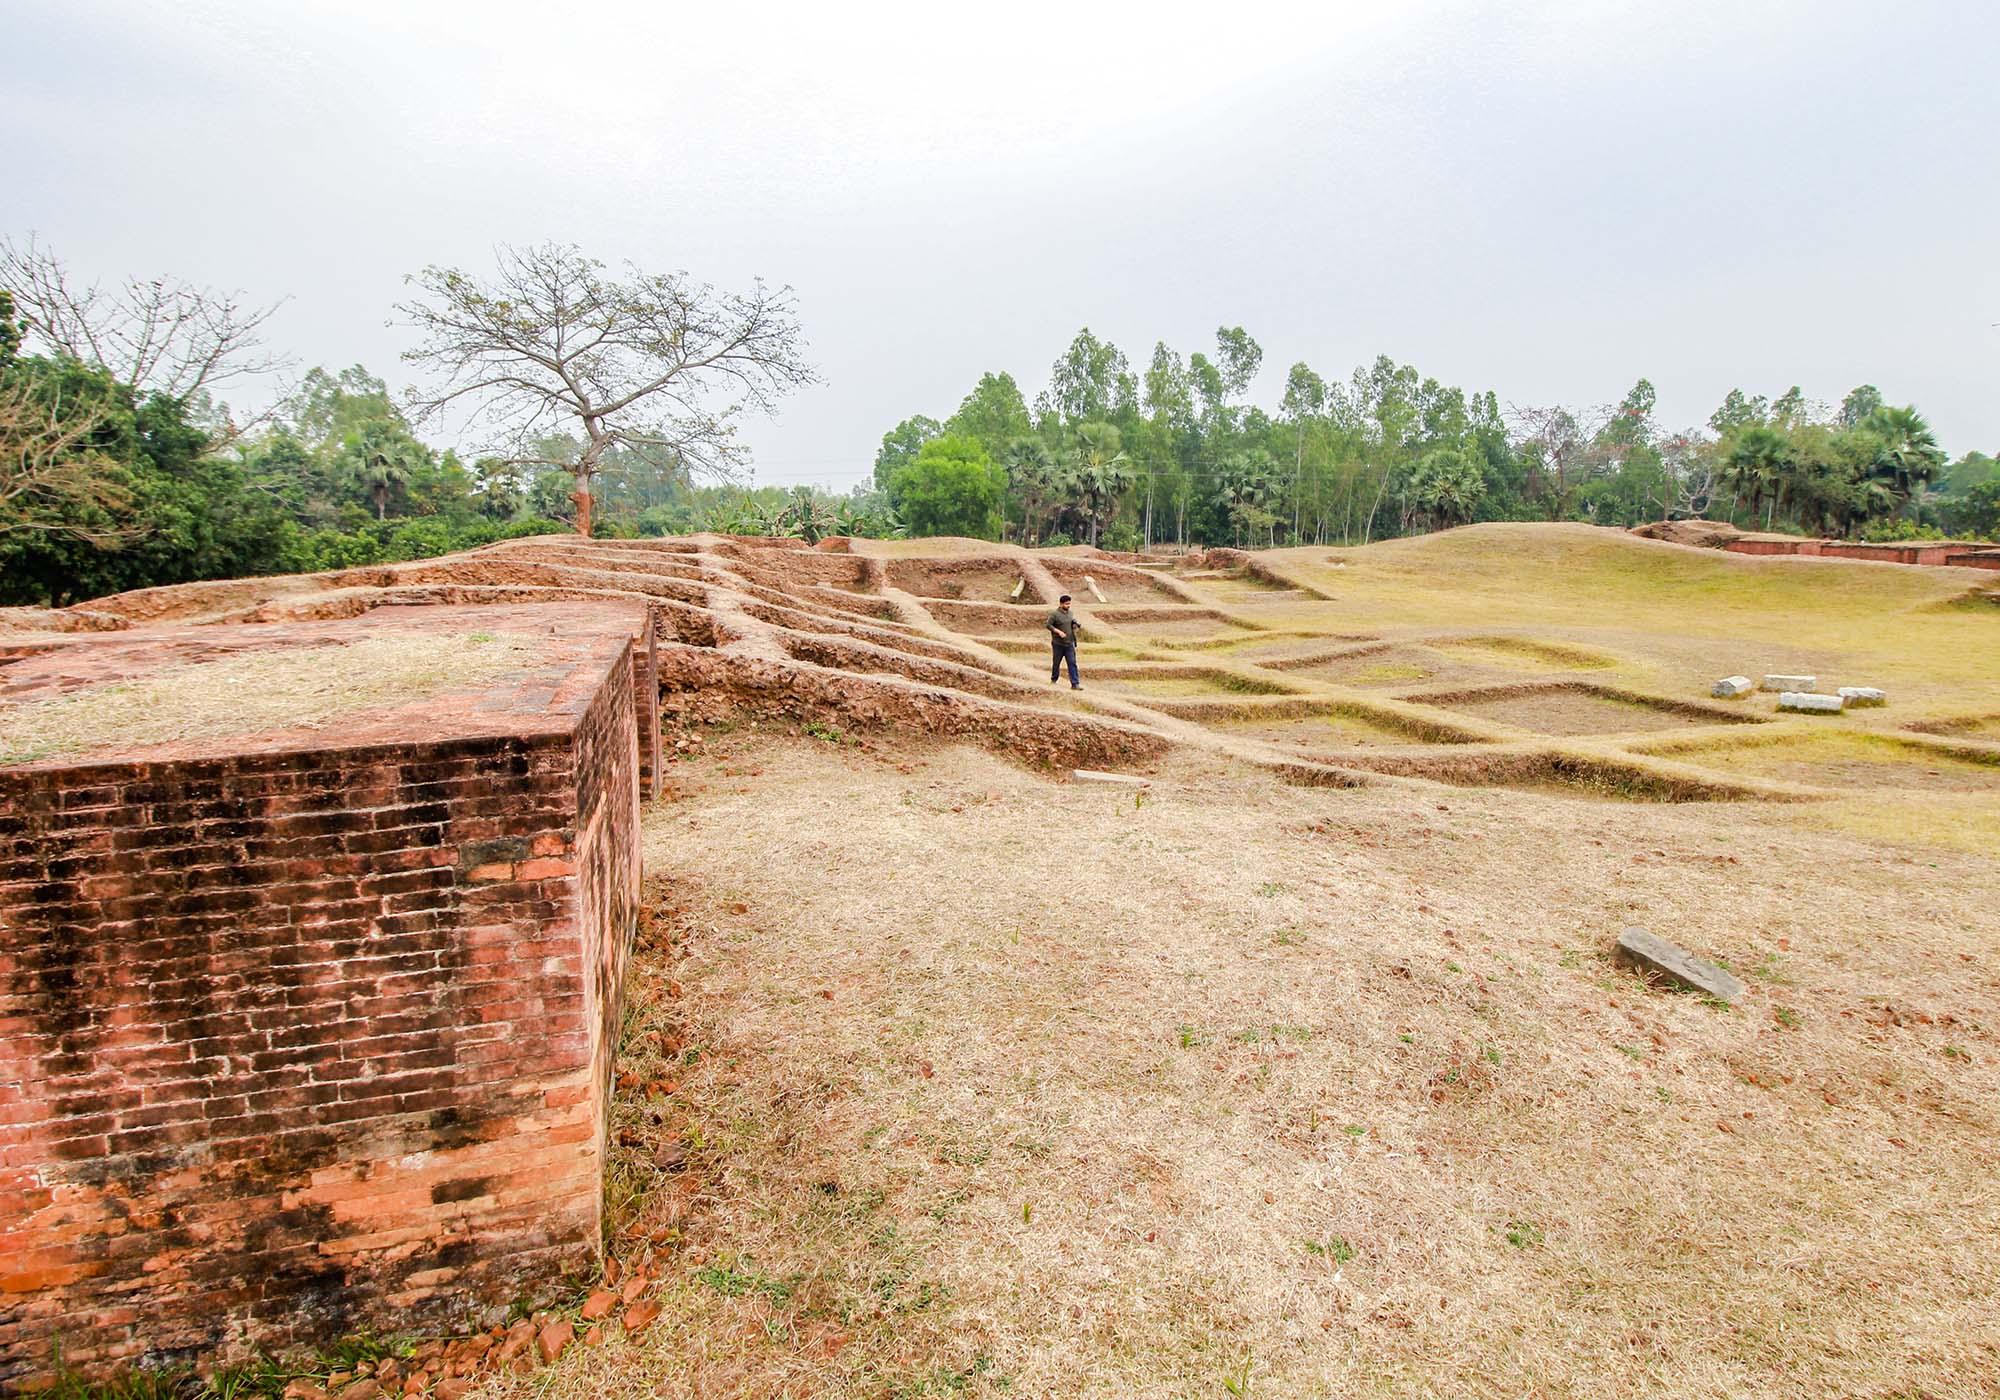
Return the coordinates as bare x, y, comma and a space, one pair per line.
1277, 718
1186, 683
1523, 653
1308, 1093
1569, 708
1564, 773
1847, 758
1274, 647
1964, 727
1578, 581
258, 691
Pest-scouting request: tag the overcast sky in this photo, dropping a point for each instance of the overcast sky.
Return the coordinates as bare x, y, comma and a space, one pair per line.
1546, 199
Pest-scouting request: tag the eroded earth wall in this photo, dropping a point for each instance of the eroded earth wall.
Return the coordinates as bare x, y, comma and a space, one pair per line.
297, 1043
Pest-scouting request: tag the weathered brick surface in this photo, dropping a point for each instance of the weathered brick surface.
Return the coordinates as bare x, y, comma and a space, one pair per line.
1925, 554
296, 1042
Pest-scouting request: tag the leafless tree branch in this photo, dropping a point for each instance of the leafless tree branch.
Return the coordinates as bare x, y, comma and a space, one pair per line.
653, 360
160, 336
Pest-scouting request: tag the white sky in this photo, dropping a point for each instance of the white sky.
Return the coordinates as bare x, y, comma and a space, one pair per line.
1547, 199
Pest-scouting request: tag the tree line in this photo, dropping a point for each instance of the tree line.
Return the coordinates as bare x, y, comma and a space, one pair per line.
599, 401
1174, 453
609, 403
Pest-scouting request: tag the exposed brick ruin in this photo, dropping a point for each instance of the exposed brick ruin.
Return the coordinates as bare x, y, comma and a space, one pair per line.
1942, 554
307, 1031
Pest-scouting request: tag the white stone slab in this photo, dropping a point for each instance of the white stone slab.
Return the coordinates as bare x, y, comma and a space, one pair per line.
1863, 695
1095, 591
1732, 685
1092, 775
1809, 704
1791, 683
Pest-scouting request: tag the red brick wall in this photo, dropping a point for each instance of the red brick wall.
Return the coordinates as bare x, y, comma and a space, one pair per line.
296, 1043
607, 861
1837, 549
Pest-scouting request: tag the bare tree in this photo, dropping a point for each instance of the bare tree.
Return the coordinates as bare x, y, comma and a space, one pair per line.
53, 480
1690, 463
639, 362
160, 336
1565, 439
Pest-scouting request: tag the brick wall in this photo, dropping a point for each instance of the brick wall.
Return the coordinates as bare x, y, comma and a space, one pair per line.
295, 1043
1927, 554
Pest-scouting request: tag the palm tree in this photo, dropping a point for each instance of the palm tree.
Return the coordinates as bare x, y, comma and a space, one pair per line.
1910, 457
382, 463
1756, 464
1102, 470
1448, 485
1032, 474
1243, 485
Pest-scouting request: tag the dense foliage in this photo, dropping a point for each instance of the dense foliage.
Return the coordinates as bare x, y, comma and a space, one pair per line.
106, 486
335, 479
1109, 454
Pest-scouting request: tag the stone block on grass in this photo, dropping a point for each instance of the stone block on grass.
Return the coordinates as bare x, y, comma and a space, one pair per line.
1790, 683
1802, 703
1651, 953
1853, 695
1731, 686
1092, 775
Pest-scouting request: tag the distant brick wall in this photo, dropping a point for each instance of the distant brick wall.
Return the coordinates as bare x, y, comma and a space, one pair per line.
1810, 548
1928, 554
298, 1042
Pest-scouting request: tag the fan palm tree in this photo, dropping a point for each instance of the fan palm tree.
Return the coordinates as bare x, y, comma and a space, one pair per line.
1910, 457
1103, 471
1032, 473
1755, 465
382, 461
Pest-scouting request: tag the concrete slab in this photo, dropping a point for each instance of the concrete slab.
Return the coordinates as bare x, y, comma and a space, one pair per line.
1092, 775
1805, 704
1731, 686
1863, 695
1790, 683
1651, 953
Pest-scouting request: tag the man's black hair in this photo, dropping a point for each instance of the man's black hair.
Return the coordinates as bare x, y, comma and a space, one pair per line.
1063, 599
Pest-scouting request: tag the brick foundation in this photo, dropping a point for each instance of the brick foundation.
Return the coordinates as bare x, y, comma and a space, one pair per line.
1924, 554
306, 1040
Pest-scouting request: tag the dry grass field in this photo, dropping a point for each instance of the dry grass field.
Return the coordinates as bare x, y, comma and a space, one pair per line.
945, 1077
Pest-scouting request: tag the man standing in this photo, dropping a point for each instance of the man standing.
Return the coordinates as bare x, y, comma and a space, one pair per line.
1062, 636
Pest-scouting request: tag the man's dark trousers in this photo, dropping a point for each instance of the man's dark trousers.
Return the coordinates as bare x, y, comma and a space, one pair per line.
1064, 651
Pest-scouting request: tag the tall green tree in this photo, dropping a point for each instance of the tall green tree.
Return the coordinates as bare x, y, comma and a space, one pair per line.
1301, 408
1861, 401
951, 488
994, 412
900, 446
1090, 382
